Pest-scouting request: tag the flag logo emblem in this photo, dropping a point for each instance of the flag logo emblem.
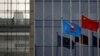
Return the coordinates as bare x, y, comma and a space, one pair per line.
72, 27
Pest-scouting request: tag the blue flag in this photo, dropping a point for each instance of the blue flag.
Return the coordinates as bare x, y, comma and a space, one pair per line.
71, 28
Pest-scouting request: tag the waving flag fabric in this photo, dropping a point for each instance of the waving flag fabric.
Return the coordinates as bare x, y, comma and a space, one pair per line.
83, 39
66, 42
89, 24
94, 41
71, 28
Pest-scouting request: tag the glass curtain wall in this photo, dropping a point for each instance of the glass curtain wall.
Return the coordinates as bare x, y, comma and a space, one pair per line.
48, 23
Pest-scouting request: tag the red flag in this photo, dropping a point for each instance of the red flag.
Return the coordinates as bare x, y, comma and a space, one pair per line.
89, 24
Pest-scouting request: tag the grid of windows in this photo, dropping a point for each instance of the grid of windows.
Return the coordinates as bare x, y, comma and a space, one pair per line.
14, 27
10, 6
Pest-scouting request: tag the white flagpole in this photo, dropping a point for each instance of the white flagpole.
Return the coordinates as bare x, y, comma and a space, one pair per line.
52, 27
57, 46
43, 27
80, 51
89, 49
98, 29
70, 21
61, 28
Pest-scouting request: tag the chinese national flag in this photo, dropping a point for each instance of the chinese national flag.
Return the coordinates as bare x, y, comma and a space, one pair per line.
89, 24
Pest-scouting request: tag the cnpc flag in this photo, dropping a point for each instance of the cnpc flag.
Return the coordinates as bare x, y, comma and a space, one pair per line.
71, 28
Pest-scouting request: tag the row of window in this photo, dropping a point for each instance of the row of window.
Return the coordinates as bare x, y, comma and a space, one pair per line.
15, 1
14, 54
13, 38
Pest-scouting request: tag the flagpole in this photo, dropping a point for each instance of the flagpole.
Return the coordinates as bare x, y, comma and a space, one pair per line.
98, 29
43, 28
88, 30
75, 49
70, 21
92, 46
57, 50
61, 27
92, 51
52, 27
80, 47
57, 46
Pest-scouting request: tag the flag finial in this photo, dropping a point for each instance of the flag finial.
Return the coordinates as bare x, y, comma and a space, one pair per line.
57, 33
60, 17
92, 33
